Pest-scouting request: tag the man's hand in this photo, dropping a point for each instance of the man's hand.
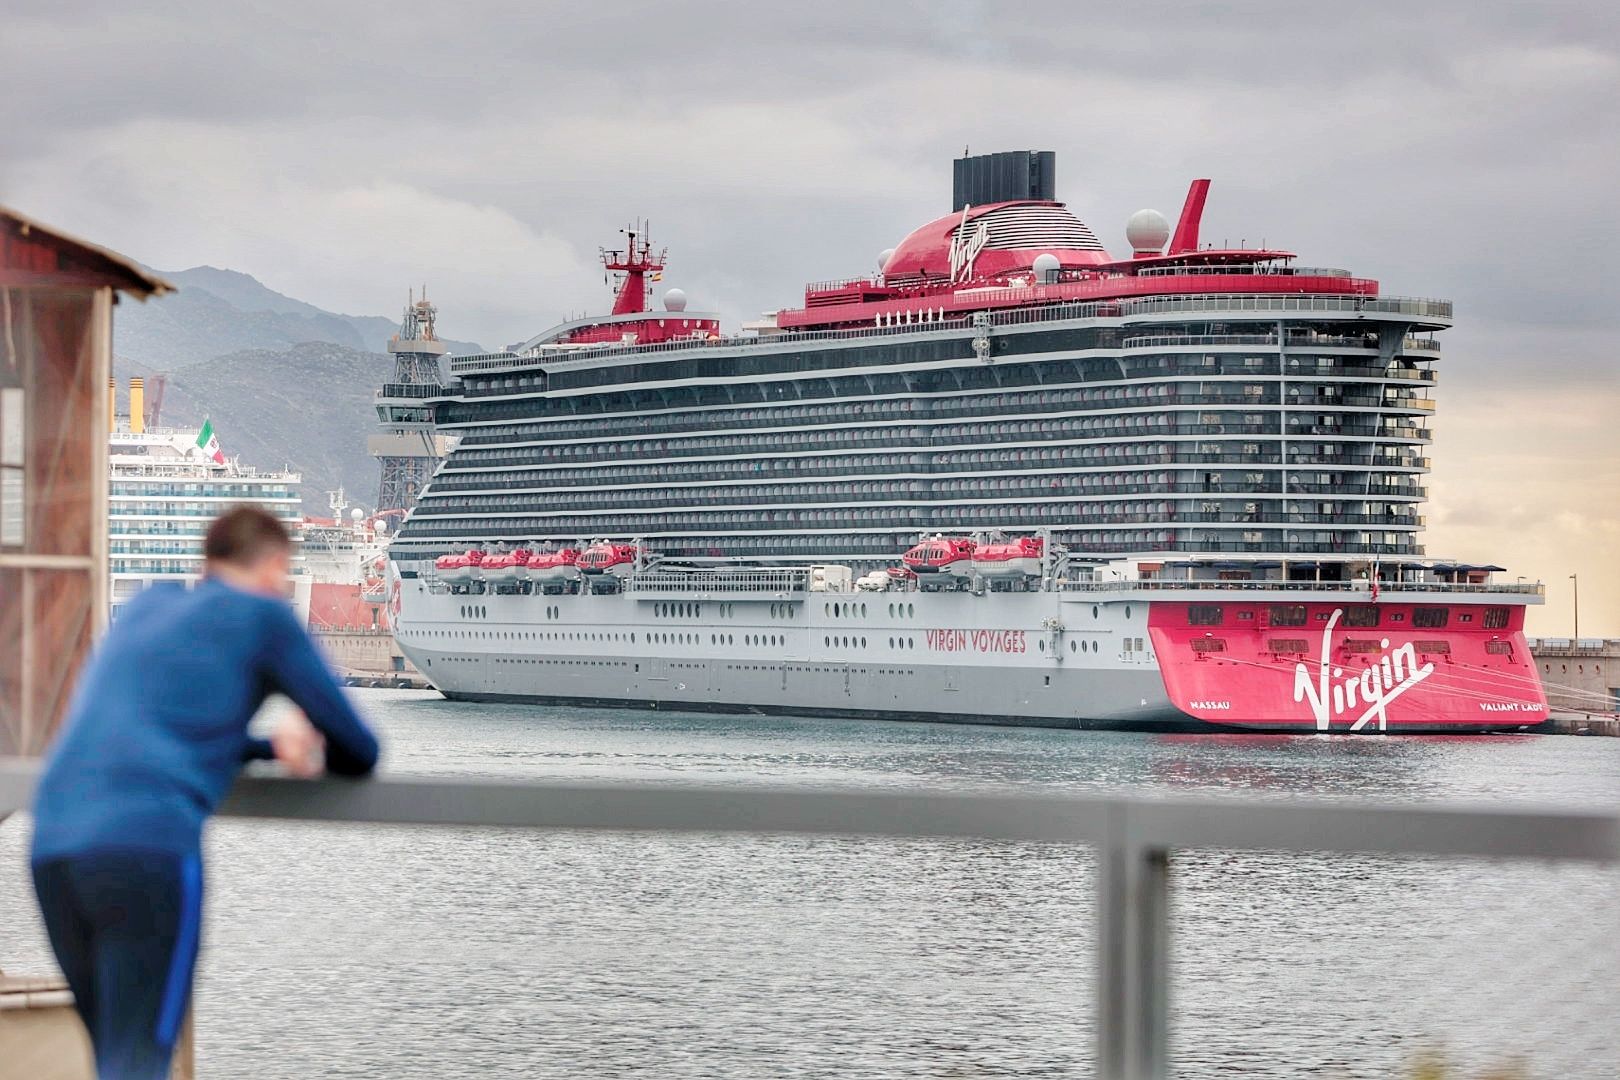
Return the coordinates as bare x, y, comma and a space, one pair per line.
299, 747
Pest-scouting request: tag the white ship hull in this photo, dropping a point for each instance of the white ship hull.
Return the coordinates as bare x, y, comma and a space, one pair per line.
914, 655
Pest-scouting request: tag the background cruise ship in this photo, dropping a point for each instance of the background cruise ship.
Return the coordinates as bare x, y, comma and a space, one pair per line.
1178, 488
163, 492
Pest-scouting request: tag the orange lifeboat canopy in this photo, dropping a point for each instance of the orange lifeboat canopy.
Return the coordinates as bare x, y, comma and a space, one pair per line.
1013, 558
554, 565
606, 558
941, 555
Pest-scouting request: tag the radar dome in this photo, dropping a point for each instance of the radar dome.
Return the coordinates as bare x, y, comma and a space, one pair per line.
1147, 230
883, 258
357, 514
675, 300
381, 526
1045, 266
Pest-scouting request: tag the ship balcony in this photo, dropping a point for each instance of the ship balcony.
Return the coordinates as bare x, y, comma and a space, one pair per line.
1311, 341
1358, 431
1429, 313
1406, 491
1272, 518
409, 391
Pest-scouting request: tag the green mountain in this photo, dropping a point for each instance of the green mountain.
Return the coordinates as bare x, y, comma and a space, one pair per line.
215, 312
285, 382
307, 407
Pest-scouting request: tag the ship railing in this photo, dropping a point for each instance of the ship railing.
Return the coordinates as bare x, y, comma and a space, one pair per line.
1178, 585
410, 390
1052, 312
1135, 838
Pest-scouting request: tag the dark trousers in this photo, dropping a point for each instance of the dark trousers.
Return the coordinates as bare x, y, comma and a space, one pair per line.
125, 925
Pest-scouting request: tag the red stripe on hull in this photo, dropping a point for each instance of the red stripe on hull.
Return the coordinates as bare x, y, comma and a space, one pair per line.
1348, 667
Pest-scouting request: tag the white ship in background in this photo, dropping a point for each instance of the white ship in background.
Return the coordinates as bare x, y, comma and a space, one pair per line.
165, 486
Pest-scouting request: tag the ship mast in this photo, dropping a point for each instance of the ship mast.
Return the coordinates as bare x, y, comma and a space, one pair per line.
635, 262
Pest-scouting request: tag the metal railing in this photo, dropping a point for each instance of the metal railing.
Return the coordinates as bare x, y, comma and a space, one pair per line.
1262, 585
1134, 838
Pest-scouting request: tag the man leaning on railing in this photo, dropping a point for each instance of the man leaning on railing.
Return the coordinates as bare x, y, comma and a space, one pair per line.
154, 737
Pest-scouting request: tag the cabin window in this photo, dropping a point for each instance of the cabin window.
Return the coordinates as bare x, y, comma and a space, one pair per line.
1430, 618
1204, 615
1361, 616
11, 467
1496, 618
1288, 615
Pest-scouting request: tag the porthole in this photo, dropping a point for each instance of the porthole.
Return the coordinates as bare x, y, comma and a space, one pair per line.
1095, 611
863, 610
891, 612
1042, 645
1073, 646
891, 640
911, 610
1127, 611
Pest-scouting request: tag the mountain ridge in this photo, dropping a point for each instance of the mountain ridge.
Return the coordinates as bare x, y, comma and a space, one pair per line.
285, 382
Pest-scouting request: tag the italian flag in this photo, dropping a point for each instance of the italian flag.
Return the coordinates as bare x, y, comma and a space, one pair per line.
208, 443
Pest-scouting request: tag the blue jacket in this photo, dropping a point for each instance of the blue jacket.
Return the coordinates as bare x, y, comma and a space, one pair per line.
157, 729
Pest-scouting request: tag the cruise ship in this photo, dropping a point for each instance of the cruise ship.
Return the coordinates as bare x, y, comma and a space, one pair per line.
1008, 478
165, 487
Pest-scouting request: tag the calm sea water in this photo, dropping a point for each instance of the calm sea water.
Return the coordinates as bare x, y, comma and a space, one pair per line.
350, 951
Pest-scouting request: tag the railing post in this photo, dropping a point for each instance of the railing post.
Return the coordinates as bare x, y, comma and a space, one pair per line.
1133, 955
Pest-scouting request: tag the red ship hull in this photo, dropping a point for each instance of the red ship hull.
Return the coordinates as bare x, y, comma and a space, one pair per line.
1371, 666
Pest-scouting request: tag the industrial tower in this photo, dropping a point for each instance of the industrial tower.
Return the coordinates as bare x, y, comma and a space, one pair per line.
408, 447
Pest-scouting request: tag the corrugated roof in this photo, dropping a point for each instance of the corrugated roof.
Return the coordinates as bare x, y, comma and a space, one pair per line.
122, 272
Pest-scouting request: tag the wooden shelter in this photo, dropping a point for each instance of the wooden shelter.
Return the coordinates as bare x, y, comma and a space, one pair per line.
56, 305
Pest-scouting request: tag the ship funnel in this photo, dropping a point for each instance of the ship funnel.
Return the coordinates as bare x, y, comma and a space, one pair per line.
137, 405
1004, 177
1192, 213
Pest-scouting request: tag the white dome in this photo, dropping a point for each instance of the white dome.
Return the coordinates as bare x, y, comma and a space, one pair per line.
675, 300
1045, 265
883, 258
357, 514
1147, 230
381, 526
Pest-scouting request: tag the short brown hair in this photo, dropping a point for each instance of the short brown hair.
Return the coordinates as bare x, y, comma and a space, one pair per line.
245, 534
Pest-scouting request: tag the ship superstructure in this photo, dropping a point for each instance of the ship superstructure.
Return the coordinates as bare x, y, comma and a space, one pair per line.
1159, 489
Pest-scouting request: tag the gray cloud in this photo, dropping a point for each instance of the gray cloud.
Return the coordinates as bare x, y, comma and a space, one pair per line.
342, 153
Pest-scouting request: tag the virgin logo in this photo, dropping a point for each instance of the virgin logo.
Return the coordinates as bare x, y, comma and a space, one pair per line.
1335, 695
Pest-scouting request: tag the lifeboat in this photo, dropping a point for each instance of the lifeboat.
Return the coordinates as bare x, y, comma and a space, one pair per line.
951, 556
505, 569
554, 565
617, 560
459, 569
1014, 558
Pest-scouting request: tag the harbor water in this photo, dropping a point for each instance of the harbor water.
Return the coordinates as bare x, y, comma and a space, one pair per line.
360, 951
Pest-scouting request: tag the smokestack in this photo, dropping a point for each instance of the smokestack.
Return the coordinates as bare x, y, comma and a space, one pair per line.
112, 404
137, 405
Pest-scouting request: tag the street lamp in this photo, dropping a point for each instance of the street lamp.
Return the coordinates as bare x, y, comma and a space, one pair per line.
1576, 578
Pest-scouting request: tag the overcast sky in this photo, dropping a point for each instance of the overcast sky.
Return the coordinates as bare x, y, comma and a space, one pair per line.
341, 153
